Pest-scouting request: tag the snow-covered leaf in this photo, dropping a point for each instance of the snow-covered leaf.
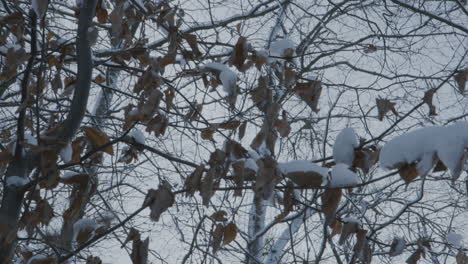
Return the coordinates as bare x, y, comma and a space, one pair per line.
345, 144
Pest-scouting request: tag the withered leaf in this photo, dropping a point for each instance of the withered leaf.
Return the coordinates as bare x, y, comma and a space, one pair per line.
102, 15
159, 200
330, 201
336, 228
170, 94
42, 260
349, 228
397, 246
415, 257
79, 178
229, 233
219, 216
306, 179
98, 138
133, 235
192, 41
239, 54
283, 127
361, 241
217, 235
461, 257
158, 125
207, 133
366, 158
310, 93
207, 186
139, 253
370, 48
44, 212
428, 96
78, 146
288, 201
192, 183
383, 106
461, 78
85, 233
99, 79
93, 260
231, 125
242, 129
408, 172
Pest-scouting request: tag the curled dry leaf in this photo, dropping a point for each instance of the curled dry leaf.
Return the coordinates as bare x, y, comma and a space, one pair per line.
461, 257
349, 228
159, 200
207, 133
231, 125
98, 138
461, 77
217, 236
229, 233
330, 201
242, 129
139, 253
219, 216
44, 212
158, 125
93, 260
306, 179
239, 54
207, 186
42, 260
282, 125
397, 246
133, 235
192, 41
78, 146
192, 183
428, 97
366, 158
383, 106
408, 172
309, 92
288, 201
337, 227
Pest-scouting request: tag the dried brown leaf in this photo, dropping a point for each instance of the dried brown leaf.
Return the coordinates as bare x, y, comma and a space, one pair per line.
192, 183
139, 253
242, 129
336, 228
217, 235
219, 216
229, 233
428, 97
159, 200
239, 54
310, 93
408, 172
349, 228
93, 260
383, 106
330, 201
98, 138
461, 257
461, 77
306, 179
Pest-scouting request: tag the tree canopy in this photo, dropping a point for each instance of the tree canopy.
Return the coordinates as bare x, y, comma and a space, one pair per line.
218, 131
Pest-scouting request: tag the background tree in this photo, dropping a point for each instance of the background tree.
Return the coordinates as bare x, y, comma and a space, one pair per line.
252, 131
